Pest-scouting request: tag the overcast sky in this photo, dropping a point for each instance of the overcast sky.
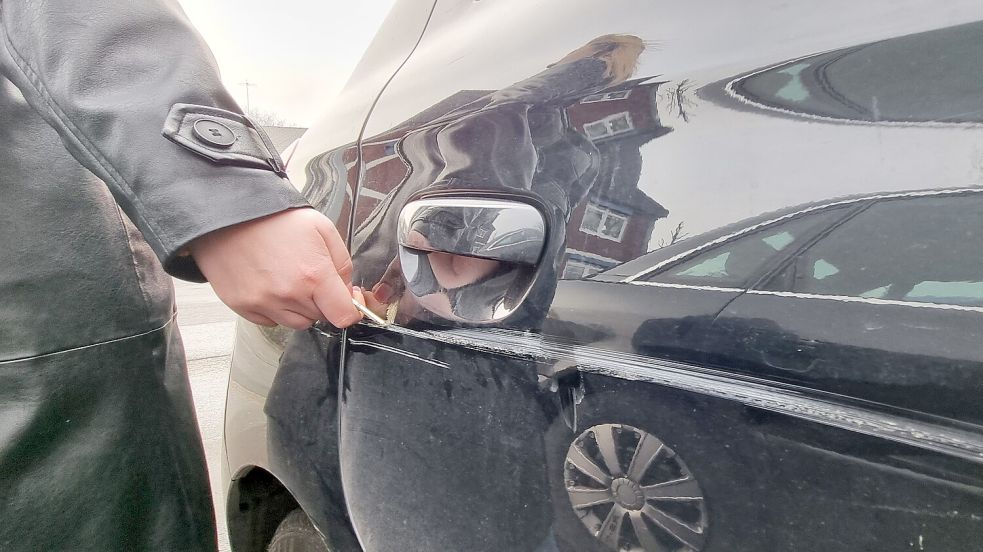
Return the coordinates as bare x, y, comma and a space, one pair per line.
297, 52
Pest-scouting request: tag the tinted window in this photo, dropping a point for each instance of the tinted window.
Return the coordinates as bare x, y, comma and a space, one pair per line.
917, 249
736, 261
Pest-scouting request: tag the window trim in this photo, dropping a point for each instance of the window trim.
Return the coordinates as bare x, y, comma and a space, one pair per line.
798, 295
770, 276
605, 212
775, 269
582, 265
606, 121
770, 268
615, 95
728, 237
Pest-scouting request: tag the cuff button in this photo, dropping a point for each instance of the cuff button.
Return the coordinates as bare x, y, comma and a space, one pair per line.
214, 133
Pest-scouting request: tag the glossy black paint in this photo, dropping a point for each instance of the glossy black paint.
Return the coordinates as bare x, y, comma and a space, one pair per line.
693, 164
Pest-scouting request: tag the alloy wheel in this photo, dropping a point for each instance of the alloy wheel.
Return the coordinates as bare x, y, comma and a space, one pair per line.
634, 493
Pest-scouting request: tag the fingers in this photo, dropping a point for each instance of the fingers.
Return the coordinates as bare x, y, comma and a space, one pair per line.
258, 319
285, 318
267, 283
334, 299
336, 249
358, 295
293, 320
372, 301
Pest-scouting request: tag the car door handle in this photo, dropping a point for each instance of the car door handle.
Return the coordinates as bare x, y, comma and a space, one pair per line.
491, 229
470, 260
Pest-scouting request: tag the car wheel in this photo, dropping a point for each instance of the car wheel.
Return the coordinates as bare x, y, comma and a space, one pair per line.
633, 492
650, 470
296, 533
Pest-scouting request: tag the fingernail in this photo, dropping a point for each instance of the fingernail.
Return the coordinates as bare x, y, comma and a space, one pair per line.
356, 289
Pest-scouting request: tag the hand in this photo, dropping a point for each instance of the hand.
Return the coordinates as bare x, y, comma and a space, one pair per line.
290, 268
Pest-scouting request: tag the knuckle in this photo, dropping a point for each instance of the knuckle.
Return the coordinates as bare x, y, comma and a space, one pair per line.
281, 290
310, 275
345, 269
297, 324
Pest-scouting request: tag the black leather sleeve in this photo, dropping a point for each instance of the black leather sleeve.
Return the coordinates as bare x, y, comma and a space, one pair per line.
106, 75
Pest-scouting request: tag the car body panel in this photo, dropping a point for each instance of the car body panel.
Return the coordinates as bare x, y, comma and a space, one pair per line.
684, 157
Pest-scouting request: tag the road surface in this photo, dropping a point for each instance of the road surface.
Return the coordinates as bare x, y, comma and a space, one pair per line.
207, 327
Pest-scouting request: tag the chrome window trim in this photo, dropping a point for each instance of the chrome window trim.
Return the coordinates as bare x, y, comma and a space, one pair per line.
688, 286
868, 300
732, 236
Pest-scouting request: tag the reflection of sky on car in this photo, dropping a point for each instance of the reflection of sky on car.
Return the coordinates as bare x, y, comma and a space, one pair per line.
680, 47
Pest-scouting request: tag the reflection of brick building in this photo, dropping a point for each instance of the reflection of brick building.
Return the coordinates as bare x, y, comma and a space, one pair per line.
384, 168
616, 221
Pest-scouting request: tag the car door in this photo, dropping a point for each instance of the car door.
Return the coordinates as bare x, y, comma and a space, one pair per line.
887, 333
893, 297
524, 173
282, 396
906, 346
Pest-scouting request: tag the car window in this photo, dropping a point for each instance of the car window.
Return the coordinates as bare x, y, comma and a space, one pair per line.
923, 250
735, 262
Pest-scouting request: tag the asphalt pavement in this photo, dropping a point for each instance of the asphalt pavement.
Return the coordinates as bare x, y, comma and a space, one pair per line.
208, 327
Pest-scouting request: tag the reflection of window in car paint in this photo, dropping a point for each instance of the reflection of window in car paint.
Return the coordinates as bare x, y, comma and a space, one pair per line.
604, 222
606, 97
922, 250
947, 292
612, 125
822, 269
575, 270
736, 261
924, 77
794, 90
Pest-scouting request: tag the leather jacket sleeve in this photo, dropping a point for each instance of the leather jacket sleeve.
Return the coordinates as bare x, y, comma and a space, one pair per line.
106, 74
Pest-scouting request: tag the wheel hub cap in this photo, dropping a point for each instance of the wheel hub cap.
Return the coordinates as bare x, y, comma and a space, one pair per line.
628, 493
634, 493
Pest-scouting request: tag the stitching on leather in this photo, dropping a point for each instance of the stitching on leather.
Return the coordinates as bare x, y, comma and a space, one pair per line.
89, 148
92, 345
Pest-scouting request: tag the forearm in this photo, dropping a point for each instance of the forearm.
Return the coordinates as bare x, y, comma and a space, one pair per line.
105, 74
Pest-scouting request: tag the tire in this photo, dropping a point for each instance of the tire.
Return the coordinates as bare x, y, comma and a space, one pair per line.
296, 533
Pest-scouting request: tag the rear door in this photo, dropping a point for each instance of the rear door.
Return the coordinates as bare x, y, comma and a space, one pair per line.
893, 299
535, 390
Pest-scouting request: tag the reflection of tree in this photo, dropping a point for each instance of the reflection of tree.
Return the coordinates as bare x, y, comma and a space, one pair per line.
674, 236
267, 118
678, 99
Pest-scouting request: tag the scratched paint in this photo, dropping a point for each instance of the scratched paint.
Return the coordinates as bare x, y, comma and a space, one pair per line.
792, 401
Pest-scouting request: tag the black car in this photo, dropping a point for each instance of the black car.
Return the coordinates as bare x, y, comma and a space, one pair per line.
693, 277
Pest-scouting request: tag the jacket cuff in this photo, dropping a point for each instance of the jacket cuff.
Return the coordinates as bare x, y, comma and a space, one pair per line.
223, 137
